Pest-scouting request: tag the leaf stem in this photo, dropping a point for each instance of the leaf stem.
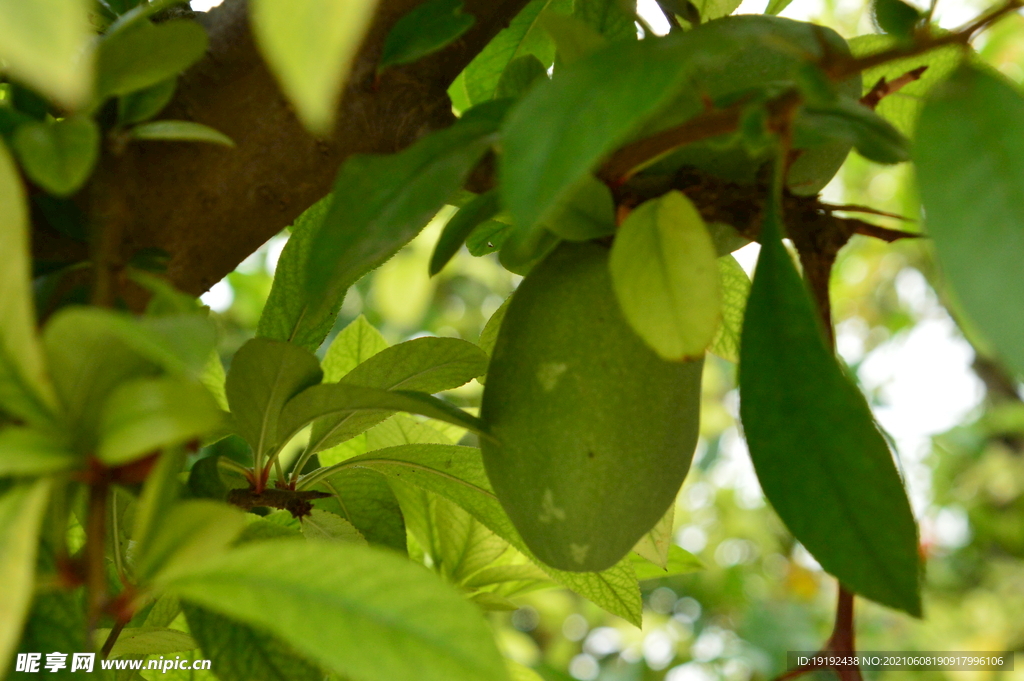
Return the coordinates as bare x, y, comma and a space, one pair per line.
95, 574
112, 637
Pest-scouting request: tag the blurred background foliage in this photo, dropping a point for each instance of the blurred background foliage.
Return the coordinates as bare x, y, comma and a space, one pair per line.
956, 419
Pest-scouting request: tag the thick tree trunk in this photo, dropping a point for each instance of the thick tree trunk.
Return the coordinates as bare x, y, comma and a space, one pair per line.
210, 207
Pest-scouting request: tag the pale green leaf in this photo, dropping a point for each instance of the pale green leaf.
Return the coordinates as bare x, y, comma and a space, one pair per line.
310, 45
158, 494
971, 178
142, 105
214, 378
322, 525
144, 54
357, 342
655, 544
289, 312
776, 6
335, 403
146, 641
519, 76
25, 389
489, 335
21, 517
426, 365
678, 562
58, 155
457, 474
192, 532
665, 277
735, 289
427, 28
45, 44
264, 375
92, 350
518, 672
363, 612
26, 451
242, 653
179, 131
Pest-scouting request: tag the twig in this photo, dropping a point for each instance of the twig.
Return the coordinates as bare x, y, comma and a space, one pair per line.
883, 233
853, 208
108, 645
95, 574
883, 88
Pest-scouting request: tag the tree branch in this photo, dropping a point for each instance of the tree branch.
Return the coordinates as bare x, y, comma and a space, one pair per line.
210, 207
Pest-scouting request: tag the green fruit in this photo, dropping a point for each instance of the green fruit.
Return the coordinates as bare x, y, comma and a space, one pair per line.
594, 431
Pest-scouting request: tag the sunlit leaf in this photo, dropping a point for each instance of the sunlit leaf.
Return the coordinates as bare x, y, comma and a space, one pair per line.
665, 277
309, 45
179, 131
21, 518
45, 43
25, 389
735, 289
363, 612
144, 54
971, 176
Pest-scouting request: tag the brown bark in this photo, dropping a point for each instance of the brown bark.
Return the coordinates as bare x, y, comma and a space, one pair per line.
210, 207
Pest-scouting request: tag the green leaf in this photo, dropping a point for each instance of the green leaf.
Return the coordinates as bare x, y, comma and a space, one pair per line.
561, 129
574, 39
425, 29
158, 494
847, 120
655, 544
92, 350
366, 501
21, 517
57, 623
25, 389
381, 202
588, 212
896, 17
334, 403
192, 532
776, 6
148, 414
522, 37
679, 562
519, 76
323, 525
424, 365
457, 474
289, 313
716, 9
59, 155
264, 375
610, 18
735, 289
142, 105
45, 44
665, 277
489, 335
144, 54
357, 342
460, 226
147, 641
310, 45
242, 653
363, 612
489, 236
179, 131
903, 108
971, 178
829, 474
27, 451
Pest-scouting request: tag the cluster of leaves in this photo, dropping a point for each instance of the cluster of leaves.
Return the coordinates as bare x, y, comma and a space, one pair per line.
100, 408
